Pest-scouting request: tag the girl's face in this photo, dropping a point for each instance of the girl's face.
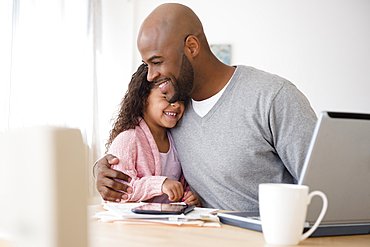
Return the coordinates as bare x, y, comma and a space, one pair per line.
160, 113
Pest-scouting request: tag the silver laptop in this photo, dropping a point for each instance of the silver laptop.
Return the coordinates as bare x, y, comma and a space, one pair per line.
337, 163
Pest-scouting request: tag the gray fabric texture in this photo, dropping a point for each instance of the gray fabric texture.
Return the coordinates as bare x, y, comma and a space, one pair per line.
257, 132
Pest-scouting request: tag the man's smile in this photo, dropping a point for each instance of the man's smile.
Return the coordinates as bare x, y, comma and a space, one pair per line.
164, 85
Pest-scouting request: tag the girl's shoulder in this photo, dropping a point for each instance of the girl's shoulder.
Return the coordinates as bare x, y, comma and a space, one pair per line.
138, 136
130, 134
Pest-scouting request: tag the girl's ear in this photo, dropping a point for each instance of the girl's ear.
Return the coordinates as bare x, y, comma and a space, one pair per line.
144, 102
192, 46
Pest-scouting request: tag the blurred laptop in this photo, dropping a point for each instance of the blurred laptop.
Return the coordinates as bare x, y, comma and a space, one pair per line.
337, 163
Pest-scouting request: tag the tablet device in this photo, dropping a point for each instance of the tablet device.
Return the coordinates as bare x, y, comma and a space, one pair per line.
163, 208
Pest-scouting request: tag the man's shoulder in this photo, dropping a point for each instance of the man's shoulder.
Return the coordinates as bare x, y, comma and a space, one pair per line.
256, 83
247, 74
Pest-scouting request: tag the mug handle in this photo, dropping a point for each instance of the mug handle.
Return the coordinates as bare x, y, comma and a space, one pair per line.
322, 214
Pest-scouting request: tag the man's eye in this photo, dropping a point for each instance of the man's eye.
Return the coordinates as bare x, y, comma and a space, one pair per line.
156, 63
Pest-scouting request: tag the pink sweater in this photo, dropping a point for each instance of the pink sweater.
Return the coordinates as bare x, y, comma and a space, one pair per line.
139, 158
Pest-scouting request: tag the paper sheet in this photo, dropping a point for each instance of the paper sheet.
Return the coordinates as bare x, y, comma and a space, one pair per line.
121, 213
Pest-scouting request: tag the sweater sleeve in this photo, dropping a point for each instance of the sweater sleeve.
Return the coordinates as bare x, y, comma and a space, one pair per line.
184, 183
292, 122
135, 160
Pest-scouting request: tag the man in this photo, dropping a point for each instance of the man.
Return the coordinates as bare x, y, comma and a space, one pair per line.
242, 127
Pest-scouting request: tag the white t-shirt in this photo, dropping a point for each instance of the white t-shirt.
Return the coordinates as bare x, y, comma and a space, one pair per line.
204, 106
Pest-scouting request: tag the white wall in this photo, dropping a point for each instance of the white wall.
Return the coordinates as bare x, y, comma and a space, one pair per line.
114, 63
322, 46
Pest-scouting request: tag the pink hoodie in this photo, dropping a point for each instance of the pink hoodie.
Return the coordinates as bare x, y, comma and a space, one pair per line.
139, 158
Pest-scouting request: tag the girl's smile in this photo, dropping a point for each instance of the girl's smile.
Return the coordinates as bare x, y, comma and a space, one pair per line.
159, 113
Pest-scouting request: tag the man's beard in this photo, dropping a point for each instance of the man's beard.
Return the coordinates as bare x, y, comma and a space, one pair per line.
185, 81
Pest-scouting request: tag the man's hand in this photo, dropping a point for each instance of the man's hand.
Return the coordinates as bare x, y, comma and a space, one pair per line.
191, 199
173, 189
105, 183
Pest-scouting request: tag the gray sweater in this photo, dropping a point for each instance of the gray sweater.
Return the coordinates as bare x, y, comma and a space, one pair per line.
257, 132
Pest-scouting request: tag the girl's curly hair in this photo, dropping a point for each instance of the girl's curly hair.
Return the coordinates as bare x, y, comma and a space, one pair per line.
132, 105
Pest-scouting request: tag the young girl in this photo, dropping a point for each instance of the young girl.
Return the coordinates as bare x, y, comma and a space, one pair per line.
144, 146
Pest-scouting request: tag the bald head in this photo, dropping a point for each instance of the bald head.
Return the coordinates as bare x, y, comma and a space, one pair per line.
172, 44
170, 23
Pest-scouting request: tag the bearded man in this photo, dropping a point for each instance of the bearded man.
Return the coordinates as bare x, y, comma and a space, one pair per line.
242, 126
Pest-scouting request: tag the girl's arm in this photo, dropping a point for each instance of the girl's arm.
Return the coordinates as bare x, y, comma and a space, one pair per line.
184, 183
189, 197
144, 183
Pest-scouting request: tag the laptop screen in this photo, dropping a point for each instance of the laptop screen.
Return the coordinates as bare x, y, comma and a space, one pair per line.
338, 164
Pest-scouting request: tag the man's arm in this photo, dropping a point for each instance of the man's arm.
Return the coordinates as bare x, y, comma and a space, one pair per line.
292, 122
105, 183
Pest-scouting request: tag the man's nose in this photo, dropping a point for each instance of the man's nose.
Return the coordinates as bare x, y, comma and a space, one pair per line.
153, 74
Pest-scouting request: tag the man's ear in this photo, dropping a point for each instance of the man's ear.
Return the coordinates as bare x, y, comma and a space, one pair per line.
192, 45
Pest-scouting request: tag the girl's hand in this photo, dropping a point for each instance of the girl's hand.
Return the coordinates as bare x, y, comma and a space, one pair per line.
173, 189
191, 199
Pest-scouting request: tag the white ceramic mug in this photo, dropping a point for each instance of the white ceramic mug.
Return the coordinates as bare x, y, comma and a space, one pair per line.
283, 210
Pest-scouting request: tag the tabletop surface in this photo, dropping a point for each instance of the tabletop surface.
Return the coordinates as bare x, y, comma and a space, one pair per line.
110, 234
